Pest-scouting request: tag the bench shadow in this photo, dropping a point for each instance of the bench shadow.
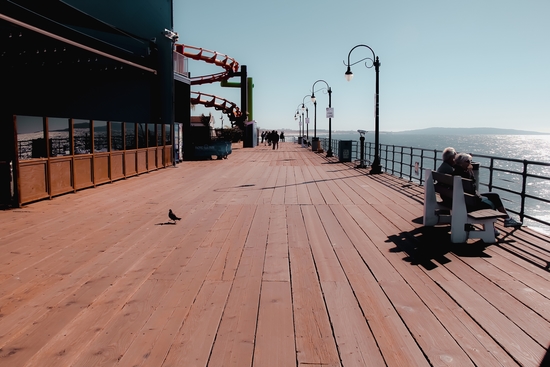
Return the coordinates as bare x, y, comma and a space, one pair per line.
428, 246
165, 223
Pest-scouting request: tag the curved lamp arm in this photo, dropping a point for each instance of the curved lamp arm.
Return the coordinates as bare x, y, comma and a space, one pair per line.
374, 60
313, 89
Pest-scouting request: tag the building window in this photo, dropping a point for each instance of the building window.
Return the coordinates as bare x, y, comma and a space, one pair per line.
82, 137
59, 137
142, 135
101, 137
117, 141
152, 135
160, 140
31, 142
130, 131
168, 134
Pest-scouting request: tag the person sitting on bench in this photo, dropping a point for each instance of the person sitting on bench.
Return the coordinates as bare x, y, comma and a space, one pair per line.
448, 157
489, 200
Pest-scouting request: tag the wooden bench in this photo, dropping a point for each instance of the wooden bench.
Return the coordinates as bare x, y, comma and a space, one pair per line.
460, 192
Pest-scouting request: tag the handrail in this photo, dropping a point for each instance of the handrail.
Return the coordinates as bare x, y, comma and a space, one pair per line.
515, 186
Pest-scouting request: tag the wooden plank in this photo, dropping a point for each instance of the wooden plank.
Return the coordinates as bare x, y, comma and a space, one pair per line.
411, 307
301, 188
322, 183
227, 261
111, 299
235, 339
193, 345
54, 317
269, 186
275, 344
520, 291
311, 183
260, 270
291, 190
280, 186
396, 344
480, 346
331, 182
532, 324
314, 340
276, 267
519, 345
524, 272
154, 340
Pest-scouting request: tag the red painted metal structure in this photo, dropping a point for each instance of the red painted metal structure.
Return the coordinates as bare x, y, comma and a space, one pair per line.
230, 67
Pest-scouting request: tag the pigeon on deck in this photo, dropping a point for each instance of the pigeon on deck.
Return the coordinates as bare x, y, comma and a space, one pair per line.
172, 216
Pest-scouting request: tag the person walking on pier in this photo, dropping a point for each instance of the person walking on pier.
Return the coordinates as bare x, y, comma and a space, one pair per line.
275, 139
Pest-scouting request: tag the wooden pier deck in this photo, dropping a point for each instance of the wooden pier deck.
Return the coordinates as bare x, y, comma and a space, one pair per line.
281, 258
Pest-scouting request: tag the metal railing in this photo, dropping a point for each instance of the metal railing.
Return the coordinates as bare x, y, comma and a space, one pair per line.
180, 64
523, 185
335, 145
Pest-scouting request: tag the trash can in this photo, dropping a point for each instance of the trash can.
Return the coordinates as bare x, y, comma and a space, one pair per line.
344, 150
315, 144
299, 140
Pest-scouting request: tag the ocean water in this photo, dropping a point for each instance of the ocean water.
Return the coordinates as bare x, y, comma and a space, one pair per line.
529, 147
533, 148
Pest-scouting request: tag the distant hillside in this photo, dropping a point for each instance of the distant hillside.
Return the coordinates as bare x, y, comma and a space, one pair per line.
469, 131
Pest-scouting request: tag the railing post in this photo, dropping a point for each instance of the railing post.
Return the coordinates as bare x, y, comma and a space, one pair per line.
411, 165
523, 191
435, 159
421, 164
401, 165
392, 159
491, 165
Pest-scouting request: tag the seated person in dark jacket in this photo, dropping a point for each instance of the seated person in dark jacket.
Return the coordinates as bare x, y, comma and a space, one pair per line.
448, 161
446, 167
489, 200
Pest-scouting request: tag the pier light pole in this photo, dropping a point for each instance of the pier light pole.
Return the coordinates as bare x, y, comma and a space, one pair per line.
315, 120
375, 167
313, 99
307, 117
301, 117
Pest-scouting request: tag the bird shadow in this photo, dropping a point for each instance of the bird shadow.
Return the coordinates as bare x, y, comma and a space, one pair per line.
165, 223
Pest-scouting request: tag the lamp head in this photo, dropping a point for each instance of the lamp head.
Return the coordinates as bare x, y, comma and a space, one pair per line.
313, 99
303, 107
349, 74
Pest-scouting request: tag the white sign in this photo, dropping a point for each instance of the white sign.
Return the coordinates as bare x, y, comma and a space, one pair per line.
330, 112
307, 120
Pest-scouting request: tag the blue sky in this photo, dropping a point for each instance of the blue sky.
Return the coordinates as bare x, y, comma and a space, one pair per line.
443, 63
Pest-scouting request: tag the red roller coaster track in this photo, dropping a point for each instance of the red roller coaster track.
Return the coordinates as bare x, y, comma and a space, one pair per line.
212, 57
220, 104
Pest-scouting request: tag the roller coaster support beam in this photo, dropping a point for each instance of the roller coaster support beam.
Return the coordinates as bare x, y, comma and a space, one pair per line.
246, 86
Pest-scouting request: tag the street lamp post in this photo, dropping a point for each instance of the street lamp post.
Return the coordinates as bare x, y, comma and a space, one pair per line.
375, 167
306, 121
329, 150
315, 120
301, 123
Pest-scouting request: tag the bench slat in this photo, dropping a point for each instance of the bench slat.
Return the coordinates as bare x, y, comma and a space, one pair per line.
486, 213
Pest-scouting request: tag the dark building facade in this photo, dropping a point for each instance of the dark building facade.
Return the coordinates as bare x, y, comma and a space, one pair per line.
90, 90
